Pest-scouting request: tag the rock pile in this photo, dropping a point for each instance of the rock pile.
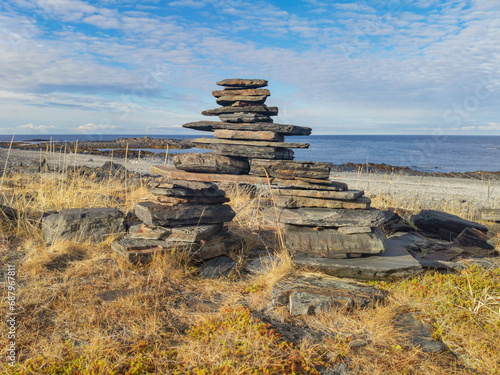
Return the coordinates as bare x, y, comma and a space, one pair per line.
185, 216
322, 218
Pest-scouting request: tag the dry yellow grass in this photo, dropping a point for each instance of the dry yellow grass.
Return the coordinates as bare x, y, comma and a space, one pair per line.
82, 310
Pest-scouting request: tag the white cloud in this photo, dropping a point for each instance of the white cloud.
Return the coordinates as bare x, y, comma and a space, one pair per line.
37, 128
102, 22
87, 128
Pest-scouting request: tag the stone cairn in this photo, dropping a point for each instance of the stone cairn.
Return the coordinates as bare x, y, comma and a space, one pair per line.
183, 216
322, 218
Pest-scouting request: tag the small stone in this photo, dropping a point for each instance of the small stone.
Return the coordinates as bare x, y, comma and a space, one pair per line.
217, 267
419, 334
243, 83
227, 100
242, 92
262, 109
249, 135
244, 117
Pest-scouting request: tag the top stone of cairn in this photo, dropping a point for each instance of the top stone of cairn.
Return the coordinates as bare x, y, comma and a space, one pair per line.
242, 83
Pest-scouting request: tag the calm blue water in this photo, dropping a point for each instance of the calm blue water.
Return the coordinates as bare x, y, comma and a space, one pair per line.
441, 154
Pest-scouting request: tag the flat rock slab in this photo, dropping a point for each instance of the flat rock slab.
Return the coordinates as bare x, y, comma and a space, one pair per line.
262, 109
330, 243
325, 217
244, 117
156, 214
446, 225
491, 215
144, 232
193, 189
217, 267
245, 92
290, 169
212, 141
419, 333
312, 294
194, 233
252, 151
262, 264
475, 238
287, 201
249, 135
242, 83
211, 163
129, 244
227, 100
83, 224
285, 129
395, 262
347, 195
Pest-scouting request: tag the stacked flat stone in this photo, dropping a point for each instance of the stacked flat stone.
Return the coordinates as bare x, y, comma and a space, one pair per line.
185, 216
322, 218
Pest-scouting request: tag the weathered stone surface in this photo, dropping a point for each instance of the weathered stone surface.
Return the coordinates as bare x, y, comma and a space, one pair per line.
446, 225
8, 212
354, 230
249, 135
252, 151
187, 189
262, 109
262, 264
492, 214
476, 238
212, 141
83, 224
257, 126
194, 233
288, 201
129, 244
152, 213
330, 243
392, 263
314, 293
217, 267
290, 169
335, 188
241, 92
419, 334
190, 200
243, 83
231, 99
244, 117
220, 244
141, 231
325, 217
321, 194
211, 163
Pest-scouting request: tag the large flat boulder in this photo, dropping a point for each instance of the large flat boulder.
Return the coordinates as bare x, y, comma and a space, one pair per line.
211, 163
262, 109
325, 217
157, 214
249, 135
252, 151
242, 83
344, 194
244, 117
446, 225
290, 169
314, 293
228, 100
288, 201
246, 92
395, 262
330, 243
83, 224
231, 142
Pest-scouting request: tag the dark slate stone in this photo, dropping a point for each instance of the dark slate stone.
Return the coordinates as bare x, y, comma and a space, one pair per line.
217, 267
475, 238
419, 333
446, 225
82, 224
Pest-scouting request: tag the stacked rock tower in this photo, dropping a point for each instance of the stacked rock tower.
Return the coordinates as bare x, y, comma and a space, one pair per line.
322, 218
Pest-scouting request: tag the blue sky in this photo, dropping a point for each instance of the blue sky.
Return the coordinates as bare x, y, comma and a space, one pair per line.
340, 67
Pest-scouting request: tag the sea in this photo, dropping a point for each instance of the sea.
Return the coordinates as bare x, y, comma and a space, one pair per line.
442, 153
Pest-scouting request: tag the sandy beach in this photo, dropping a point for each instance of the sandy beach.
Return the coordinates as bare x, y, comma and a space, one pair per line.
463, 195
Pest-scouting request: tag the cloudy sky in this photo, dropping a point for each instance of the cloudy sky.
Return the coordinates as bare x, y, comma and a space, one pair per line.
340, 67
